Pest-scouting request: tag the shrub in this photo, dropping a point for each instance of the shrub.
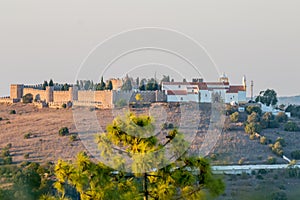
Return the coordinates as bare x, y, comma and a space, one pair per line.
8, 146
64, 105
253, 118
251, 109
5, 153
277, 148
234, 117
273, 124
73, 138
241, 161
27, 135
170, 126
28, 98
1, 118
252, 136
263, 140
271, 160
26, 155
281, 117
12, 112
63, 131
280, 195
252, 128
7, 160
295, 154
281, 141
291, 126
164, 126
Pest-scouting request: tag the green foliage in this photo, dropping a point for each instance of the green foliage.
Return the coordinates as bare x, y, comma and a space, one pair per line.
281, 141
63, 131
186, 178
64, 105
127, 86
152, 85
295, 154
263, 140
268, 97
73, 138
252, 128
138, 97
45, 84
26, 155
12, 112
51, 84
27, 135
294, 110
281, 117
1, 118
28, 98
291, 126
280, 195
109, 85
251, 109
65, 87
277, 148
229, 109
234, 117
271, 160
253, 118
99, 86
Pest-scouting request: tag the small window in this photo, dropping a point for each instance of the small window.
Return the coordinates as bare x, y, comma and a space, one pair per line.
179, 86
181, 98
205, 95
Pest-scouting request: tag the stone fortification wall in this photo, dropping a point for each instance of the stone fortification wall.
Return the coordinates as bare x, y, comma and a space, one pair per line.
99, 97
62, 96
119, 95
37, 94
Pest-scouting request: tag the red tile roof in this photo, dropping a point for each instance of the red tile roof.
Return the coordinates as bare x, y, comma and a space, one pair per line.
235, 88
176, 92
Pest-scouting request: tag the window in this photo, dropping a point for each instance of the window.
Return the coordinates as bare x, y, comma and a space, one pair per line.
181, 98
179, 86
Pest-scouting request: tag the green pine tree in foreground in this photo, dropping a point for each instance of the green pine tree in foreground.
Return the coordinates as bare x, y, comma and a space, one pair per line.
186, 178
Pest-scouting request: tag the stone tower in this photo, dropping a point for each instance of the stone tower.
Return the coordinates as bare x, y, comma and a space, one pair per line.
16, 91
73, 92
49, 94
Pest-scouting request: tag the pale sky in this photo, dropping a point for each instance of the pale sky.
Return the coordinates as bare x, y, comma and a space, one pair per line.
47, 39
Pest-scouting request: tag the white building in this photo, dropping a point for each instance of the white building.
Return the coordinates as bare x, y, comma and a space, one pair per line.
205, 92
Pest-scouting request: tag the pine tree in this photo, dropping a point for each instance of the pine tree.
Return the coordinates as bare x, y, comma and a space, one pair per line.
186, 178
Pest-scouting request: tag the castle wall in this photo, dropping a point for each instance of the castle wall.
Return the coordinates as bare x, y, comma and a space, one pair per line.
16, 91
37, 94
104, 98
61, 96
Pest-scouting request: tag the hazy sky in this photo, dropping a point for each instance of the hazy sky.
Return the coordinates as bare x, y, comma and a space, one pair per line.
47, 39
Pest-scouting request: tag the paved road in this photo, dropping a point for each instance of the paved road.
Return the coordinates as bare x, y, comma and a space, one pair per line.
238, 169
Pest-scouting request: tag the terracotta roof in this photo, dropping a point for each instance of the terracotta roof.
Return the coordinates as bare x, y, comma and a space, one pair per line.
176, 92
235, 89
217, 83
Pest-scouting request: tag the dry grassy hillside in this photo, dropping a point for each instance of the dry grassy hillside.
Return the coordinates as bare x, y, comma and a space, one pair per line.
46, 145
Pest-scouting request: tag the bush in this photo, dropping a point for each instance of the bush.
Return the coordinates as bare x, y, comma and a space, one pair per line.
27, 135
28, 98
64, 105
8, 146
291, 126
253, 118
277, 148
7, 160
295, 154
252, 136
63, 131
251, 109
281, 141
1, 118
170, 126
281, 117
280, 195
271, 160
73, 138
252, 128
26, 155
263, 140
12, 112
234, 117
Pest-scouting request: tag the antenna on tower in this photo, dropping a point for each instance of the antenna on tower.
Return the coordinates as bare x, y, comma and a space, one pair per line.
251, 90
